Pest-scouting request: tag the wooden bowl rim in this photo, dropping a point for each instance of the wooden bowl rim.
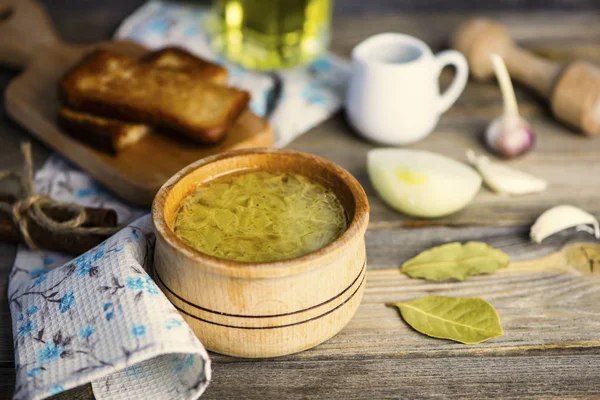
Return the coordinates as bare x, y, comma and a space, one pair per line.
274, 268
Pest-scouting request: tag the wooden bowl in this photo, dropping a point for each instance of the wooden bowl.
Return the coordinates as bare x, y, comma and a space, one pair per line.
263, 309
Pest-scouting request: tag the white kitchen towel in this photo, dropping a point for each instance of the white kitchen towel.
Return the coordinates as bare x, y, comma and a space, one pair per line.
99, 318
307, 95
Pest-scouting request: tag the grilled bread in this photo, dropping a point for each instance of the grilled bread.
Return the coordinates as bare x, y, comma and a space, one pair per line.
112, 135
119, 87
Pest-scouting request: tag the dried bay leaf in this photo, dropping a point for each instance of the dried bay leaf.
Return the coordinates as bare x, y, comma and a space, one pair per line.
463, 320
455, 261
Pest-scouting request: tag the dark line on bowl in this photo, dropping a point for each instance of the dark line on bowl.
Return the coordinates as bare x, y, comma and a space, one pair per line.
260, 316
277, 326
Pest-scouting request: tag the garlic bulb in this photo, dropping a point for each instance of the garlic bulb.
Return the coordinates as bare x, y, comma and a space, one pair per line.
510, 135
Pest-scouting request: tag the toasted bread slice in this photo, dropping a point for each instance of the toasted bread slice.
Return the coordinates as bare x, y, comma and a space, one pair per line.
105, 134
116, 86
178, 59
112, 135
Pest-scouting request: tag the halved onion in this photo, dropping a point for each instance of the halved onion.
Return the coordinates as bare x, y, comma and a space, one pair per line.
421, 183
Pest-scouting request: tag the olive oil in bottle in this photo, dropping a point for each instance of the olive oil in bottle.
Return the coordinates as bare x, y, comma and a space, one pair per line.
271, 34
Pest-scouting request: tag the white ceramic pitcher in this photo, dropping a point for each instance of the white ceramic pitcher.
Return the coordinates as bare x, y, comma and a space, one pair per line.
394, 96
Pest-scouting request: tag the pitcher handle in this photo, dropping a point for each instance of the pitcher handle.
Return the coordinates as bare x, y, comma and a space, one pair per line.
452, 57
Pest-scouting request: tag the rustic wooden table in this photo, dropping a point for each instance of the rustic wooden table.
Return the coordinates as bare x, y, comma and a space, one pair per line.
551, 316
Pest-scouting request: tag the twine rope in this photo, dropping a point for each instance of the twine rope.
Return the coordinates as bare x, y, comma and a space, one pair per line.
32, 207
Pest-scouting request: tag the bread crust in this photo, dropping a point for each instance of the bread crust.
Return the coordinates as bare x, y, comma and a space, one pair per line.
105, 134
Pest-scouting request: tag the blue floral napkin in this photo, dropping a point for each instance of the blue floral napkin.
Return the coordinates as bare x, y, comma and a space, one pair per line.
308, 95
99, 318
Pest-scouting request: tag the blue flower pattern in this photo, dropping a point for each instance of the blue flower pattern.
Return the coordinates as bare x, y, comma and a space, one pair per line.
41, 279
111, 311
86, 264
49, 353
145, 285
138, 330
66, 302
32, 310
86, 331
26, 328
83, 265
150, 286
135, 283
173, 323
55, 389
34, 372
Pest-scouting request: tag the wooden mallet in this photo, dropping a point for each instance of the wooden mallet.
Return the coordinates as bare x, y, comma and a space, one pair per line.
573, 90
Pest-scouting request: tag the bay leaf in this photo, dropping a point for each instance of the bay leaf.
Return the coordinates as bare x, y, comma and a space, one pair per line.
464, 320
455, 261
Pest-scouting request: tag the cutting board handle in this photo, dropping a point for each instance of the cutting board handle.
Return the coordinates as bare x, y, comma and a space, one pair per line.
24, 27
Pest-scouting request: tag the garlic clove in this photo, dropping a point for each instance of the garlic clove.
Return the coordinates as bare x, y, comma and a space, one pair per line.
503, 179
559, 218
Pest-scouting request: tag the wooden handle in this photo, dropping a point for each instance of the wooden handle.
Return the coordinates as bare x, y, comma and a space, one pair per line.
479, 38
576, 97
534, 72
24, 27
572, 91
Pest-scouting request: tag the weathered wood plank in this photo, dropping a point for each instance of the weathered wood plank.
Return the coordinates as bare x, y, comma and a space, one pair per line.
567, 374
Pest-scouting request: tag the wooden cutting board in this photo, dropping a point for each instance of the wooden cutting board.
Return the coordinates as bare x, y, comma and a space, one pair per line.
28, 40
